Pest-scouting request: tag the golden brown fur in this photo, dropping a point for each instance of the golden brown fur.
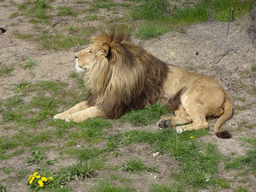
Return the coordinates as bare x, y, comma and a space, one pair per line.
121, 76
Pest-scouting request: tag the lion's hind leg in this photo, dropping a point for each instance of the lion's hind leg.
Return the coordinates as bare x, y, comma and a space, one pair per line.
181, 118
198, 118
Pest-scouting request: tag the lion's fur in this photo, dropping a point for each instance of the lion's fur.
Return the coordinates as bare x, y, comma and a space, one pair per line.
128, 77
121, 76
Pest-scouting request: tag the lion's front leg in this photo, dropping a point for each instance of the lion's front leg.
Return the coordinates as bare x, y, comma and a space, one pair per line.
78, 107
91, 112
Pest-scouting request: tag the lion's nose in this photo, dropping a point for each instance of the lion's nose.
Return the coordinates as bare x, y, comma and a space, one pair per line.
76, 56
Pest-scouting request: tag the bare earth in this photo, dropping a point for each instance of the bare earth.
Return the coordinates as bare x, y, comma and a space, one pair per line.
203, 48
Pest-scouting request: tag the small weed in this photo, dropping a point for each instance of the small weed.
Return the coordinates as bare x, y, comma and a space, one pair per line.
105, 186
175, 187
133, 166
149, 30
3, 188
136, 166
5, 70
38, 181
241, 189
17, 87
66, 11
36, 157
81, 170
220, 183
30, 64
93, 17
7, 170
16, 14
73, 75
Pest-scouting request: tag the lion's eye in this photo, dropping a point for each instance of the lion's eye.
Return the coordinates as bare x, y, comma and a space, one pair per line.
89, 51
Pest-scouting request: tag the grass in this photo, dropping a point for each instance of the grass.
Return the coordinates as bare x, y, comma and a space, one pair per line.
150, 30
145, 116
30, 64
159, 12
5, 70
104, 186
136, 166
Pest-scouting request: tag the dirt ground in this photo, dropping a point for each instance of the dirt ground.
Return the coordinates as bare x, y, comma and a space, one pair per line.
204, 48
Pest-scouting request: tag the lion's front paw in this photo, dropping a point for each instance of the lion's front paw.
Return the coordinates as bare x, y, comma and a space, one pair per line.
179, 129
59, 116
164, 123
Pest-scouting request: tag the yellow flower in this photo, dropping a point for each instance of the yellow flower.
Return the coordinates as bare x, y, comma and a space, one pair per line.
31, 181
51, 178
30, 177
35, 173
44, 179
191, 137
40, 182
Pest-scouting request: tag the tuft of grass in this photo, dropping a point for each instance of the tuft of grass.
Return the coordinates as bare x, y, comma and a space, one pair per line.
17, 87
93, 17
145, 116
105, 186
150, 30
243, 161
153, 10
175, 187
136, 166
30, 64
253, 68
36, 157
5, 70
66, 11
60, 42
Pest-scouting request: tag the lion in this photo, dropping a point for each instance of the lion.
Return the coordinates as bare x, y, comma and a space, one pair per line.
121, 76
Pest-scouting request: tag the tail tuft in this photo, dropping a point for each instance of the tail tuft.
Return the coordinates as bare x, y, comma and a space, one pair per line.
223, 134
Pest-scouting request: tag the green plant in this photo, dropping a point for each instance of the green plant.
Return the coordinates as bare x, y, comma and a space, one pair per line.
37, 181
151, 10
4, 70
36, 157
30, 64
145, 116
17, 87
105, 186
66, 11
150, 30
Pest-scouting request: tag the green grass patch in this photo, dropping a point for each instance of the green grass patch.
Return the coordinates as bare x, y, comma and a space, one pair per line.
136, 166
30, 64
155, 10
5, 70
17, 87
104, 186
244, 161
145, 116
66, 11
197, 160
150, 30
175, 187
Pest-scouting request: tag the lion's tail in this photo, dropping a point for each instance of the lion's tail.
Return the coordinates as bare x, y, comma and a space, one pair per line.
224, 117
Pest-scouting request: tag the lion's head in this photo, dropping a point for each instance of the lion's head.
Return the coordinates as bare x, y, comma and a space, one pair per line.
120, 76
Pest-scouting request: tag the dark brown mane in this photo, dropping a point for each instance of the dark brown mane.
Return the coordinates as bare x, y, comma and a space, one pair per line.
135, 77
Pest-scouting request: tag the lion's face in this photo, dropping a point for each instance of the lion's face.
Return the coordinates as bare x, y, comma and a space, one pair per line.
88, 57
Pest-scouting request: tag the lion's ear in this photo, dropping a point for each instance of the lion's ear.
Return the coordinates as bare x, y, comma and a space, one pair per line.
105, 49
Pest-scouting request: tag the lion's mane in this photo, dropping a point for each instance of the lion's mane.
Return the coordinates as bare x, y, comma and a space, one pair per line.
129, 78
